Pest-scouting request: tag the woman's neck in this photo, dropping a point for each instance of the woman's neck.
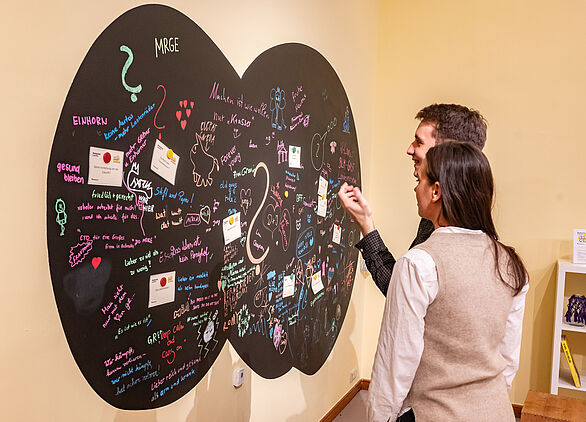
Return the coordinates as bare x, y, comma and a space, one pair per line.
440, 221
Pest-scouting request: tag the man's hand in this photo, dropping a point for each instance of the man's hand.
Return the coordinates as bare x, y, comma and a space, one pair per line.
356, 205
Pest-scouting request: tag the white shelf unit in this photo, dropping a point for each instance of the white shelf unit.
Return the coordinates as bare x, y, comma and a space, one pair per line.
560, 377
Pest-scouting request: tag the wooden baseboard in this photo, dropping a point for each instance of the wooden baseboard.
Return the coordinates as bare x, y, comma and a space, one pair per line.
343, 402
517, 409
363, 384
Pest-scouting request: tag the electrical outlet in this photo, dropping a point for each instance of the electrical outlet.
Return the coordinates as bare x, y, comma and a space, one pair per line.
352, 375
238, 377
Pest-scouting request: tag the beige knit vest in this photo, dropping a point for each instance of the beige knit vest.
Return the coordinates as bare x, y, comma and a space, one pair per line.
460, 376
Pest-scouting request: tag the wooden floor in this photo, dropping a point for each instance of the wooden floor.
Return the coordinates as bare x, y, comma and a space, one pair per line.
354, 411
352, 407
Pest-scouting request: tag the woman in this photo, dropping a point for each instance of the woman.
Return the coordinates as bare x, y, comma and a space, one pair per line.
450, 338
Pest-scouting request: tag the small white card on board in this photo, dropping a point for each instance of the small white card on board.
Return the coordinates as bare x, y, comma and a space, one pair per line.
294, 156
161, 288
231, 226
337, 234
322, 200
323, 186
164, 162
288, 286
322, 205
316, 283
105, 167
579, 246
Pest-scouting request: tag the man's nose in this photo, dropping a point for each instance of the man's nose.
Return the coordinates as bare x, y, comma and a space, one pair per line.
411, 149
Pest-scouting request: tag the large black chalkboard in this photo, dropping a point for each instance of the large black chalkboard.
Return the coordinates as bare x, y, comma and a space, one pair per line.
147, 286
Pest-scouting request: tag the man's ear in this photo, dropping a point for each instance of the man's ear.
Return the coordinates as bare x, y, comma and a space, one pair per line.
436, 192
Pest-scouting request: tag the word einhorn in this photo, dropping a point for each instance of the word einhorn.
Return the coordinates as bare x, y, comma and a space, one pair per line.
89, 121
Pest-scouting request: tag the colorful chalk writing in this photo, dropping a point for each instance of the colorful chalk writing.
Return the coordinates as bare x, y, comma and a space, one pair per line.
231, 250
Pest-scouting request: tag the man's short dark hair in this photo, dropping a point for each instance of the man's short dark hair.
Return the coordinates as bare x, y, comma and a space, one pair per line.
457, 122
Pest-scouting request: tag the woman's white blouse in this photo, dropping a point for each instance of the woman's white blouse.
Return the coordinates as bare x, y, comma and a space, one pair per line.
400, 344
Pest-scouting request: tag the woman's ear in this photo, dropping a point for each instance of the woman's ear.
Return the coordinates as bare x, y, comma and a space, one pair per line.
436, 192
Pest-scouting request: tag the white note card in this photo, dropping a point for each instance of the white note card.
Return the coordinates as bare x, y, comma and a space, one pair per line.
164, 162
322, 201
294, 156
579, 246
316, 284
288, 286
337, 234
231, 226
322, 205
105, 167
323, 186
161, 288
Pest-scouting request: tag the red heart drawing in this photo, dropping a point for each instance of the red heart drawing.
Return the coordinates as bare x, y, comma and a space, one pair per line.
185, 103
191, 103
188, 112
183, 124
178, 114
96, 261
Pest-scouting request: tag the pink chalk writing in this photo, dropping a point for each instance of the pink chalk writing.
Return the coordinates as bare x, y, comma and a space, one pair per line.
78, 252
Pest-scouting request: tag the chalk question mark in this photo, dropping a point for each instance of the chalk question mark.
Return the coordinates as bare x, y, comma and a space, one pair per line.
248, 251
159, 109
314, 160
135, 90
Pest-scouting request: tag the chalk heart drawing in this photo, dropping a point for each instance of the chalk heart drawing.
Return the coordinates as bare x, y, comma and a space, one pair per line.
270, 218
205, 214
183, 104
183, 123
102, 286
96, 262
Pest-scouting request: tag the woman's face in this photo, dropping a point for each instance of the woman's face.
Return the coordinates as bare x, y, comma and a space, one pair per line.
424, 193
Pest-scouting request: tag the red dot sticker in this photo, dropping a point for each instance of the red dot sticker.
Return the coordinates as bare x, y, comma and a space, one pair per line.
163, 282
107, 157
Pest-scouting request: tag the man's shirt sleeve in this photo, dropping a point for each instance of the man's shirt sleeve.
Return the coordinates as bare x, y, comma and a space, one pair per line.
378, 259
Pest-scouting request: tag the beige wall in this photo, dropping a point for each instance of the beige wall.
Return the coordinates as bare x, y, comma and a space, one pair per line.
523, 64
42, 48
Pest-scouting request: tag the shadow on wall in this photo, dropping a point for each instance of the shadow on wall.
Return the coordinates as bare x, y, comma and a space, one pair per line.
216, 399
135, 416
332, 376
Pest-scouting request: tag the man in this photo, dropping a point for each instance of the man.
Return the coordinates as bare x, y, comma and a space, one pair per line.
438, 122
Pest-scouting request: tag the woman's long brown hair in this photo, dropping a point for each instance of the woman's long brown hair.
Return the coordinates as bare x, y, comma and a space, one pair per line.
467, 186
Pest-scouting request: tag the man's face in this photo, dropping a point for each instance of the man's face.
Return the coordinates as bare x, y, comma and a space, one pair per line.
423, 192
423, 141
